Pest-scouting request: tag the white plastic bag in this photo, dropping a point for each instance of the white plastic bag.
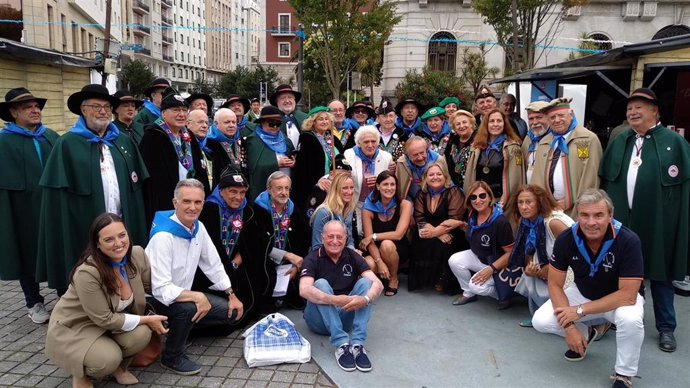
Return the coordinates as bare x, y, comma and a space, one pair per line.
274, 340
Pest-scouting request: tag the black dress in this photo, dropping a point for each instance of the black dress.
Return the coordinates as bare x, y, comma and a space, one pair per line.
378, 226
429, 259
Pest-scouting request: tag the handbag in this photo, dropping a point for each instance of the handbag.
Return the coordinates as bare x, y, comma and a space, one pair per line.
152, 351
274, 340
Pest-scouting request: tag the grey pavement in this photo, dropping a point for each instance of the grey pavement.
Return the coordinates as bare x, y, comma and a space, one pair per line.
23, 363
420, 340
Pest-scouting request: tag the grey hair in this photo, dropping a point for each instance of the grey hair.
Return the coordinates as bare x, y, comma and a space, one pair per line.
275, 176
334, 222
510, 97
220, 112
189, 182
415, 139
591, 196
367, 130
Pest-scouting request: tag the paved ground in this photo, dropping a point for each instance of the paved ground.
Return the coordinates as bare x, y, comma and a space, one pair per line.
23, 364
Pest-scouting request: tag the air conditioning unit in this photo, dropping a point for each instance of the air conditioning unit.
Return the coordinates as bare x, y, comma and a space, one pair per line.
648, 10
631, 10
466, 3
573, 13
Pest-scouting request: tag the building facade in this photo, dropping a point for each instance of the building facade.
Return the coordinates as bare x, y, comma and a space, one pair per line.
280, 43
189, 43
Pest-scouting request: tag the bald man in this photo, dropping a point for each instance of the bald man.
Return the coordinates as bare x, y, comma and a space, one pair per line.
224, 142
197, 123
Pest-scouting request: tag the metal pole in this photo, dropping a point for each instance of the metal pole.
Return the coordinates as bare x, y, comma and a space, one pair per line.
300, 57
106, 44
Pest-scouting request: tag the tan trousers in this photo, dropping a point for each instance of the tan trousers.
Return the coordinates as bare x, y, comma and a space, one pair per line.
114, 350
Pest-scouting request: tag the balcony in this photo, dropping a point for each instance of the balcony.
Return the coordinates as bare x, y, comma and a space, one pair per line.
168, 58
142, 30
167, 3
143, 51
283, 30
167, 39
141, 7
166, 20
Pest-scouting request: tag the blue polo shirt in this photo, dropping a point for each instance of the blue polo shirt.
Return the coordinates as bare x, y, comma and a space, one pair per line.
341, 275
624, 260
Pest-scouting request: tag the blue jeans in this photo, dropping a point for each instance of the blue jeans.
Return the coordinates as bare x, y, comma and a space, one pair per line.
664, 312
180, 322
330, 320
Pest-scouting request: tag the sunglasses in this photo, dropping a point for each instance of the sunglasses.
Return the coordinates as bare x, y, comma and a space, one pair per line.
359, 111
274, 124
474, 197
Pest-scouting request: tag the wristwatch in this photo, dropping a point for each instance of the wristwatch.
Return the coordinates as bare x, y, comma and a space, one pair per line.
579, 312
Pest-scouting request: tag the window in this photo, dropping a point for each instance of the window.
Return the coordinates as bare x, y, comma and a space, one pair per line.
283, 50
443, 50
284, 23
63, 26
602, 41
51, 38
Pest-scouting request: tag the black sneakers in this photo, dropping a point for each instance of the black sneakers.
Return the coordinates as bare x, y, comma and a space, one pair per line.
620, 381
345, 358
361, 359
574, 356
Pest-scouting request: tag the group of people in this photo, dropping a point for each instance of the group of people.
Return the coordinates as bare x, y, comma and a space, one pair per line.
206, 210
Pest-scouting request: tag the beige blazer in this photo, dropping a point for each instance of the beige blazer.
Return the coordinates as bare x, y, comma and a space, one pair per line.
513, 169
87, 311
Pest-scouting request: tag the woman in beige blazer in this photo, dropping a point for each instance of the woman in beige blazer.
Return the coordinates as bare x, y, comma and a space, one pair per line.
99, 324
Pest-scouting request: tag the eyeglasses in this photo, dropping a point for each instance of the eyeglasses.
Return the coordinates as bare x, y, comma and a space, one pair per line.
359, 111
474, 197
98, 108
274, 124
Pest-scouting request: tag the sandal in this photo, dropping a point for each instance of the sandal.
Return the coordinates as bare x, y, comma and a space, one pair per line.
390, 291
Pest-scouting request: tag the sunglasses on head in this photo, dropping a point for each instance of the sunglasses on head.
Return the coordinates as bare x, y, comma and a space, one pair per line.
474, 197
274, 124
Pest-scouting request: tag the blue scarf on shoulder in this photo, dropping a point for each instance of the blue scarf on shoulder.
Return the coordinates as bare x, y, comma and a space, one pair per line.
264, 201
559, 139
229, 232
110, 136
369, 162
216, 135
38, 135
496, 145
530, 239
163, 223
605, 247
275, 143
377, 207
431, 157
151, 107
534, 139
495, 213
436, 137
408, 129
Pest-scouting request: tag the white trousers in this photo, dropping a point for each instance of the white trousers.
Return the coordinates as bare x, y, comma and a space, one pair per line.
462, 264
628, 320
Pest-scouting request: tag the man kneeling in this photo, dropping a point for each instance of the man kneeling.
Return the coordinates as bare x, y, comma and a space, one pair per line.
339, 287
178, 245
606, 259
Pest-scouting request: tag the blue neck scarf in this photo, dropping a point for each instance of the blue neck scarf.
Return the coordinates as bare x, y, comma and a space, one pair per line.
530, 239
231, 223
350, 124
377, 207
559, 140
264, 201
434, 193
603, 250
241, 124
495, 213
408, 129
38, 135
110, 136
534, 139
202, 144
216, 135
369, 162
151, 107
431, 157
121, 265
437, 137
496, 145
275, 143
289, 120
163, 223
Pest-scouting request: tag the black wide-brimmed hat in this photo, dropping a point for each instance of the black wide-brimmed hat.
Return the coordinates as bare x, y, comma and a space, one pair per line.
386, 106
124, 95
270, 113
234, 97
15, 96
203, 96
158, 83
360, 105
231, 177
420, 108
172, 99
284, 89
646, 94
87, 92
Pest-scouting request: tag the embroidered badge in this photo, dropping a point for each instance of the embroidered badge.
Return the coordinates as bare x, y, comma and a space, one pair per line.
582, 152
135, 177
673, 171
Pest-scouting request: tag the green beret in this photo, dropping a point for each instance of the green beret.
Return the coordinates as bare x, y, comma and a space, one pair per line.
433, 112
318, 109
449, 100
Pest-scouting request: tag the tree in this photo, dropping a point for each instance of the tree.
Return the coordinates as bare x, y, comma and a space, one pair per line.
136, 76
430, 87
535, 26
341, 31
475, 68
245, 82
202, 86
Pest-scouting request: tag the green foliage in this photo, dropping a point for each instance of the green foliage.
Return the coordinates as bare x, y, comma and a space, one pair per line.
430, 87
202, 86
475, 68
341, 32
136, 76
245, 82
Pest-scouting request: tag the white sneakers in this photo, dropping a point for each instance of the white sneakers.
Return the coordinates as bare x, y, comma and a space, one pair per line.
39, 314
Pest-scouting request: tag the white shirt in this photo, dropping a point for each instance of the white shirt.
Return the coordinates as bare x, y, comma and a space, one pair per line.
174, 261
633, 170
111, 190
558, 178
293, 134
